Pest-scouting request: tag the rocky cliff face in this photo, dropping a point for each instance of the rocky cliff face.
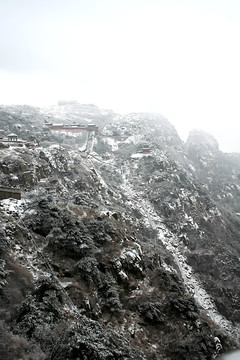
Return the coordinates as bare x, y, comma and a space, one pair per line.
218, 172
127, 248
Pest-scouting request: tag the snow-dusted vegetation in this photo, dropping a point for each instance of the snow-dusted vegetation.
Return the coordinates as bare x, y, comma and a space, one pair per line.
127, 248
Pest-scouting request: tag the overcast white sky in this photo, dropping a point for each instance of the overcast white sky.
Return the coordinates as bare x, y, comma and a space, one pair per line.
180, 58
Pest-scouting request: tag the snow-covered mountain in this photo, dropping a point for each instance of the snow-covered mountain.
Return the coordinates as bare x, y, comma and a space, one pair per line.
125, 242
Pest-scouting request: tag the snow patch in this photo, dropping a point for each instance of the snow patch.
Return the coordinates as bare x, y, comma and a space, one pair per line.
13, 205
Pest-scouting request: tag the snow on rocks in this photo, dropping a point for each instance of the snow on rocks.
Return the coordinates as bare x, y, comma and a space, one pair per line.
171, 242
130, 259
12, 206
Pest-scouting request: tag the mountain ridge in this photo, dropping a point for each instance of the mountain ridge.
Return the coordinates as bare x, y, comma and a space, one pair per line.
131, 243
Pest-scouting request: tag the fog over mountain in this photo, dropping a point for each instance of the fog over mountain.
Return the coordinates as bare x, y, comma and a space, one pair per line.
178, 58
117, 239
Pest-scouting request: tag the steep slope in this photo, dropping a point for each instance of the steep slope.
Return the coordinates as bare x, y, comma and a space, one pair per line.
203, 232
219, 172
116, 253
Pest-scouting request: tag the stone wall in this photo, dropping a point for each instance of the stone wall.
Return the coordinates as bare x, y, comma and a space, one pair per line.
6, 193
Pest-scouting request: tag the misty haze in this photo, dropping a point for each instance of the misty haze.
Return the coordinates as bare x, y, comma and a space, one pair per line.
119, 180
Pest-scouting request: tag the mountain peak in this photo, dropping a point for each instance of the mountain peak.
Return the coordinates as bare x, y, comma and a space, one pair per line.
200, 139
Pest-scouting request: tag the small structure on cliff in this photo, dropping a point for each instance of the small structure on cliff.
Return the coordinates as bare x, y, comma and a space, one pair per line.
72, 127
146, 150
12, 137
11, 140
8, 192
2, 133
